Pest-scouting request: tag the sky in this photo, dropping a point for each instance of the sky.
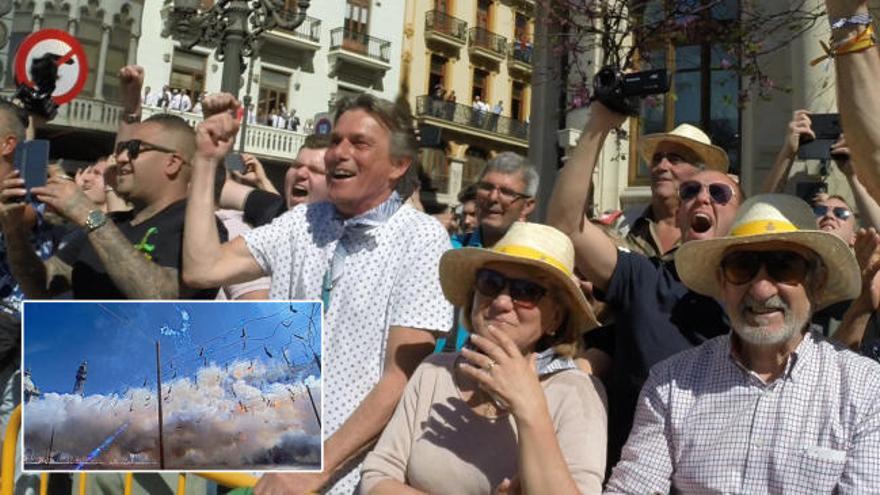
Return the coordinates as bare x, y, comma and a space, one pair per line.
118, 339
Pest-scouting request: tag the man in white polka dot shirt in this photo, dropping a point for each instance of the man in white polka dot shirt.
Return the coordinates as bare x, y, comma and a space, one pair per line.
371, 258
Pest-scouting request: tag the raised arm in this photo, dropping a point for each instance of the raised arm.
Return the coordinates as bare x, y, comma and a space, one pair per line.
131, 80
38, 279
595, 252
858, 96
799, 126
406, 349
207, 262
869, 210
855, 320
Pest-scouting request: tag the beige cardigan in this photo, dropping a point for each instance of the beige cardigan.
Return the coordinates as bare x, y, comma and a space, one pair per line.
437, 444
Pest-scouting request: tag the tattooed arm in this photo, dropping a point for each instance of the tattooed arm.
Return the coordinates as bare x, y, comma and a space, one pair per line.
131, 271
134, 275
38, 279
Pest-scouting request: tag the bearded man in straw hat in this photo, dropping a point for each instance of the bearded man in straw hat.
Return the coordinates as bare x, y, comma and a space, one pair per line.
772, 406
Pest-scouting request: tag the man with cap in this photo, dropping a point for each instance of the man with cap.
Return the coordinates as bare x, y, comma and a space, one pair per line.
771, 406
655, 315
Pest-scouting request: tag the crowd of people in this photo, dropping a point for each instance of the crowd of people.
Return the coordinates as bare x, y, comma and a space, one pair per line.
709, 343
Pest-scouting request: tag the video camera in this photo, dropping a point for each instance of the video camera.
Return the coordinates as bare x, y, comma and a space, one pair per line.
621, 92
38, 99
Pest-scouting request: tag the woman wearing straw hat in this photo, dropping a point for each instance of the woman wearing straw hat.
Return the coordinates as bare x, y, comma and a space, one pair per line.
511, 409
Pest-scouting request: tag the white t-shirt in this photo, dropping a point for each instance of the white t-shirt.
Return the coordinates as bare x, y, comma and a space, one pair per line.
175, 102
390, 278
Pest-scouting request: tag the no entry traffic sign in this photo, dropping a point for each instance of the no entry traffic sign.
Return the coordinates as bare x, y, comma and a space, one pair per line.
64, 51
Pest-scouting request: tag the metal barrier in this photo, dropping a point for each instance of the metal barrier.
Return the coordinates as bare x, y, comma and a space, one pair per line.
7, 468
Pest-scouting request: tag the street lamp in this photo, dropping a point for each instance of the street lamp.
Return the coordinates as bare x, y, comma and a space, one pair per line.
232, 27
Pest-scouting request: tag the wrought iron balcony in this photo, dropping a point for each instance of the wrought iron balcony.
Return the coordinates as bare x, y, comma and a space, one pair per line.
344, 40
445, 28
485, 42
309, 30
464, 115
520, 55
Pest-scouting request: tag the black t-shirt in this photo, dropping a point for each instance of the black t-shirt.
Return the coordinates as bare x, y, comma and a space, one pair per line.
656, 316
160, 238
261, 207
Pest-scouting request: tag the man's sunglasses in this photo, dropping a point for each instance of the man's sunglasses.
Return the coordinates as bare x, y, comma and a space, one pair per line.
785, 267
524, 293
719, 192
839, 211
136, 146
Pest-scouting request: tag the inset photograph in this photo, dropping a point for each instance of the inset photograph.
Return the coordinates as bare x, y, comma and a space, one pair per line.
176, 385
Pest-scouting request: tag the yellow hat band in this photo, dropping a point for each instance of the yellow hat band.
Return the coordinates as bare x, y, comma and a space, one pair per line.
532, 254
758, 227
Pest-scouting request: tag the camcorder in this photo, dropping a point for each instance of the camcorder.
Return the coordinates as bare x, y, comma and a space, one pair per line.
622, 92
38, 100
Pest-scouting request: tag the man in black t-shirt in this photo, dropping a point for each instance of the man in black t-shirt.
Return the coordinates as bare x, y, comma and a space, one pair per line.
131, 255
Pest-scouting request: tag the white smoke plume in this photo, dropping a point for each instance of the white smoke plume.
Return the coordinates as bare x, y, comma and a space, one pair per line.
247, 415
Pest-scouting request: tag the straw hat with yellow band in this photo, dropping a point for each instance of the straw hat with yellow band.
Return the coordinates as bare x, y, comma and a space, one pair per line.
531, 244
765, 218
692, 138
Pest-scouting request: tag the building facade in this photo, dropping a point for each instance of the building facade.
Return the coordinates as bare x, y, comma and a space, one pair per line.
704, 93
455, 53
342, 48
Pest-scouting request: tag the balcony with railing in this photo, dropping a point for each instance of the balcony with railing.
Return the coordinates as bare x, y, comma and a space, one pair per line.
519, 57
260, 139
443, 28
360, 49
485, 43
307, 35
444, 113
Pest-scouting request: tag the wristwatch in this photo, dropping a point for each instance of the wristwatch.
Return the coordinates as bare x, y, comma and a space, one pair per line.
96, 219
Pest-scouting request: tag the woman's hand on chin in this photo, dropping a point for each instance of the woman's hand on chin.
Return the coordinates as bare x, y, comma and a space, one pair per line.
503, 371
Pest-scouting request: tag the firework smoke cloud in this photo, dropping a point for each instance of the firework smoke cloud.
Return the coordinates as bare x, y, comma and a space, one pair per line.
242, 396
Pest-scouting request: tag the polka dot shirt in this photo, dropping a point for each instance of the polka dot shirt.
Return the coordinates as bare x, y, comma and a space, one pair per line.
389, 278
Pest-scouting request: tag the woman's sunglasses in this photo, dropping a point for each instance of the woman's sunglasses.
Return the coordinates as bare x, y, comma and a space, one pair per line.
786, 267
839, 211
524, 293
719, 192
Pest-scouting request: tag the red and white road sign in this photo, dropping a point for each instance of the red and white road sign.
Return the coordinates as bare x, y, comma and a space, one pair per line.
73, 68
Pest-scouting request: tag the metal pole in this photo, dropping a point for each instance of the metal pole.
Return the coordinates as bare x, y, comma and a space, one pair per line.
159, 398
237, 12
247, 105
314, 407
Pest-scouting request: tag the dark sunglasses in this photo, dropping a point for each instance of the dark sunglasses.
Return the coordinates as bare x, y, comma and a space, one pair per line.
719, 192
524, 293
839, 211
784, 267
135, 147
